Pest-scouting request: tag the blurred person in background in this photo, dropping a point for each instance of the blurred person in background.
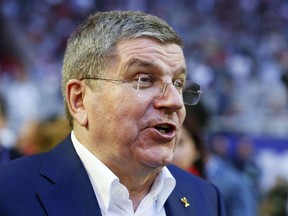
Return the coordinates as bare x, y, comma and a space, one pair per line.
190, 153
51, 131
219, 144
42, 135
275, 201
198, 159
245, 162
7, 136
123, 78
22, 98
239, 197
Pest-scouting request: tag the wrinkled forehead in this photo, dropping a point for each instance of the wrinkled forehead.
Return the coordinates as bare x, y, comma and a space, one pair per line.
147, 53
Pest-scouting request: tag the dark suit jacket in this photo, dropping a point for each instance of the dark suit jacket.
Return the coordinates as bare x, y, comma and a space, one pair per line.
56, 183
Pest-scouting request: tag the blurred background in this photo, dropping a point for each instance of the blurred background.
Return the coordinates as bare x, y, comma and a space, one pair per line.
237, 50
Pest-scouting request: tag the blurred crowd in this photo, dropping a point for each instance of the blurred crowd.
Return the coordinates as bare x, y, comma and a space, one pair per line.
236, 50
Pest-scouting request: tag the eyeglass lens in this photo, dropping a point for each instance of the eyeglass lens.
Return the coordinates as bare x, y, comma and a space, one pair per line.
155, 88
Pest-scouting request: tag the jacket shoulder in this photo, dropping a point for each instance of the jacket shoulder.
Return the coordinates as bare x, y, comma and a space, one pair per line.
203, 197
187, 179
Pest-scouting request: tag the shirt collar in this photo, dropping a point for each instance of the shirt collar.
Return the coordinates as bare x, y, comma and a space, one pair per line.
101, 177
162, 187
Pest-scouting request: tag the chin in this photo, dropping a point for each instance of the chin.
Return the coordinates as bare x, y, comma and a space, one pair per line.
159, 161
157, 156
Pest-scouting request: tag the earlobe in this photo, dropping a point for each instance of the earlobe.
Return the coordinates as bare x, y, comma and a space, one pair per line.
75, 94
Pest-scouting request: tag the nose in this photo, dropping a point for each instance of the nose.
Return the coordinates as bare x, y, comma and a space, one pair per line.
170, 97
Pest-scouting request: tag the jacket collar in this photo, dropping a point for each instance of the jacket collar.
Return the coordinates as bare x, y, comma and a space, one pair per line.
71, 192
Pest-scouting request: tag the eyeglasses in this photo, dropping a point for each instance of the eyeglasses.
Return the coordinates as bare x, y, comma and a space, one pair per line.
153, 86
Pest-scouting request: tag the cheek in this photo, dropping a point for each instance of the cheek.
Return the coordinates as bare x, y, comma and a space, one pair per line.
123, 117
127, 110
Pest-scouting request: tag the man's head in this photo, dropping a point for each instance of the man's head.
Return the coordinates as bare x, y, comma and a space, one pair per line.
123, 77
91, 49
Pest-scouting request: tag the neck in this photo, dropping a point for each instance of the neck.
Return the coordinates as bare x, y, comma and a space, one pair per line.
137, 184
137, 194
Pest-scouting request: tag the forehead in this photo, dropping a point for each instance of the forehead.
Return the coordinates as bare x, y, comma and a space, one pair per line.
149, 53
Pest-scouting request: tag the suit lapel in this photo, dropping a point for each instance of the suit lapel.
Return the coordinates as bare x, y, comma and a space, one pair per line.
71, 192
174, 206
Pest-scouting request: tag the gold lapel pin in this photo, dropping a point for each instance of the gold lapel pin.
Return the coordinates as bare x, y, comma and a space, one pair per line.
185, 202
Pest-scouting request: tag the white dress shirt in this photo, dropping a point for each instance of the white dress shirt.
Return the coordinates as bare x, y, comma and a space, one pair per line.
113, 197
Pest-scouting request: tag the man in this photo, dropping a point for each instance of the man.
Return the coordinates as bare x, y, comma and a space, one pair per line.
123, 80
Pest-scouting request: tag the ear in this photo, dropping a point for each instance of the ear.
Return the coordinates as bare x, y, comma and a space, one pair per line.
75, 93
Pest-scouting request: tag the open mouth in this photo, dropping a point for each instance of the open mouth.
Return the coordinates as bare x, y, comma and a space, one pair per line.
165, 128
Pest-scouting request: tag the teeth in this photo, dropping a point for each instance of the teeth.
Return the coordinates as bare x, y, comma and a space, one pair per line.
162, 131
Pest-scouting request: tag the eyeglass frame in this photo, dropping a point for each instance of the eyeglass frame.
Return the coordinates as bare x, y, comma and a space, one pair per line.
163, 89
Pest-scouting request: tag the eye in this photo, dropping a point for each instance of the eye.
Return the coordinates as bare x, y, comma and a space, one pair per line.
179, 83
145, 81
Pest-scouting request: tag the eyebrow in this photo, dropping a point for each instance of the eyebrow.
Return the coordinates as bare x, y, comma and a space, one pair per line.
139, 62
142, 63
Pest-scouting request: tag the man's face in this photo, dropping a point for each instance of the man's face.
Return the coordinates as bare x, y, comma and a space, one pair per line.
131, 127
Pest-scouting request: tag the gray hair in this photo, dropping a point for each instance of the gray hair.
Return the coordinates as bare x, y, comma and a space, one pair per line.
91, 47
